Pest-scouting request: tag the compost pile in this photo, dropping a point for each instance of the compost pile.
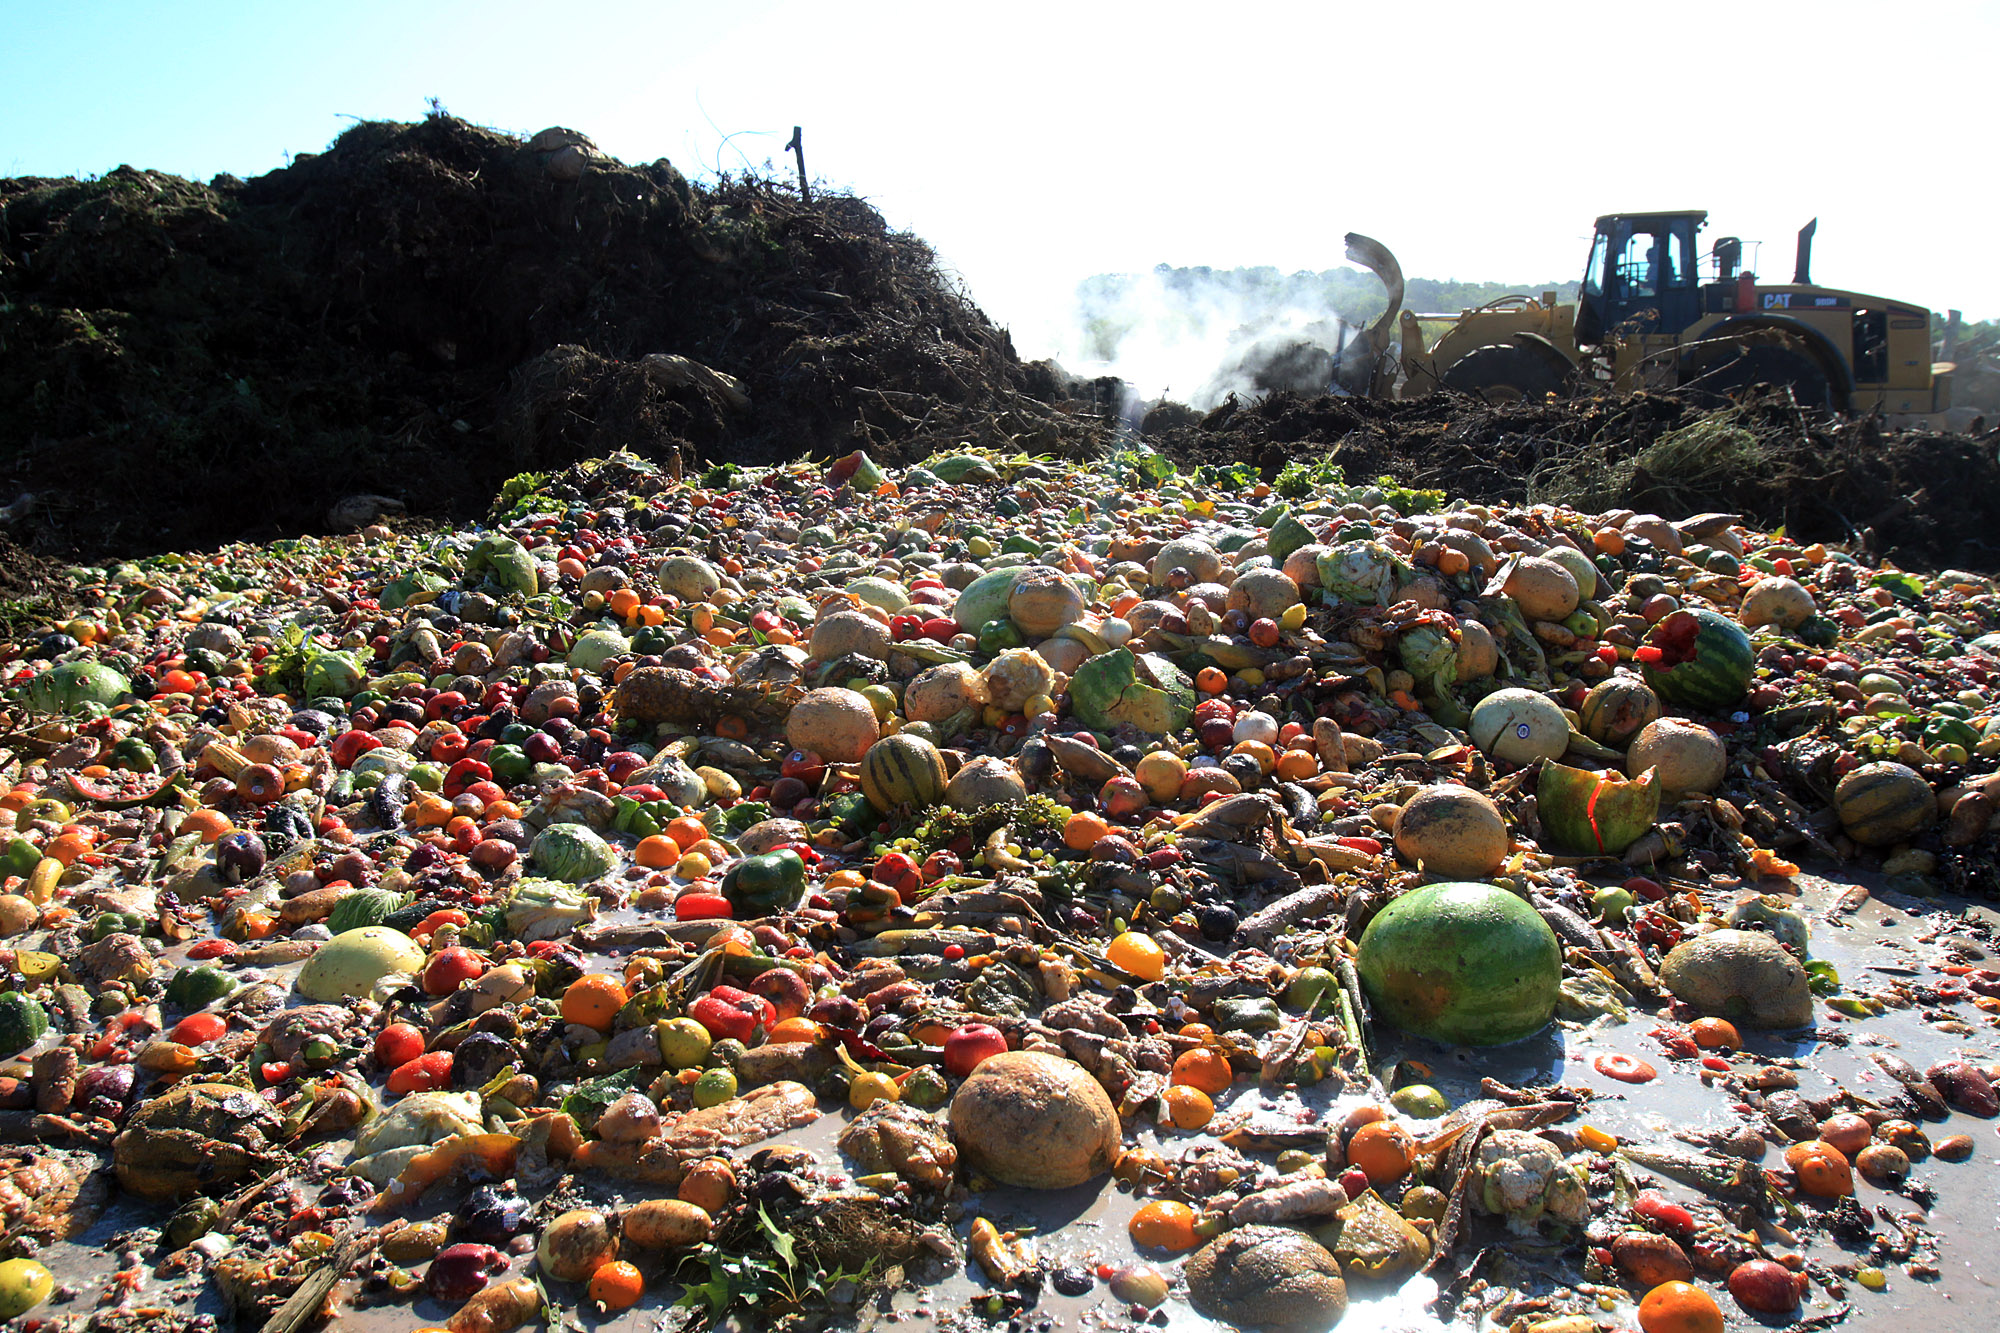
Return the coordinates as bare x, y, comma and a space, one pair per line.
425, 310
404, 321
748, 892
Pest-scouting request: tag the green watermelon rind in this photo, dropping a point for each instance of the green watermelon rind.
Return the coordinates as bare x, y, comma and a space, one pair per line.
1493, 928
1719, 675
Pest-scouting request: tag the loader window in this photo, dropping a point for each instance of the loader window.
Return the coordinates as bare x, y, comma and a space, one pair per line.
1638, 265
1593, 269
1675, 273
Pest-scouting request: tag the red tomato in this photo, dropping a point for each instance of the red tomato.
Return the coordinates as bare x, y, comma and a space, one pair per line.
426, 1073
199, 1029
211, 949
397, 1045
702, 907
969, 1044
728, 1012
451, 968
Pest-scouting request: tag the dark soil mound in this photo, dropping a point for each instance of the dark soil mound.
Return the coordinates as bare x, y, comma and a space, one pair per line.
1926, 499
424, 310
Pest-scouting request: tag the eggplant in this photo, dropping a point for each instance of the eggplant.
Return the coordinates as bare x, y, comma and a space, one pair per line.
386, 802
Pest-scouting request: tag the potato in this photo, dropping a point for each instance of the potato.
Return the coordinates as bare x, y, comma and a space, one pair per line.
665, 1224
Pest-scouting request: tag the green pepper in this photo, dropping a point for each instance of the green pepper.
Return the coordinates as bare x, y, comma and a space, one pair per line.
515, 733
116, 923
197, 987
652, 640
997, 636
1254, 1014
641, 819
510, 764
135, 755
20, 858
851, 813
760, 885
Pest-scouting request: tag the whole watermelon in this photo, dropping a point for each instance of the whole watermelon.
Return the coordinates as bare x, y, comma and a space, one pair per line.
1701, 660
1464, 963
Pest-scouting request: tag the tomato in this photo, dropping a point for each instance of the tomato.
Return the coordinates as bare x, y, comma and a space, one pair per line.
397, 1045
1668, 1216
702, 907
426, 1073
451, 968
208, 949
276, 1071
728, 1012
199, 1029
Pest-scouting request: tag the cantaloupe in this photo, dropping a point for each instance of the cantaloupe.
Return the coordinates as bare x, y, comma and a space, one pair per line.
902, 771
1543, 589
1777, 601
1689, 756
1520, 726
837, 724
1452, 831
1884, 803
1035, 1121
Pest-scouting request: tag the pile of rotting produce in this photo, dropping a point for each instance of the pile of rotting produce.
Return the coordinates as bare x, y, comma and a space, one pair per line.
994, 890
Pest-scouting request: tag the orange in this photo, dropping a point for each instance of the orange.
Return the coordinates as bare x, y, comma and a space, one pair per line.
593, 1001
1383, 1150
793, 1029
617, 1285
1204, 1069
1297, 765
210, 824
1715, 1034
1082, 830
686, 830
1211, 680
1821, 1168
623, 603
68, 845
1679, 1307
1164, 1224
1198, 1031
1190, 1107
659, 852
1139, 954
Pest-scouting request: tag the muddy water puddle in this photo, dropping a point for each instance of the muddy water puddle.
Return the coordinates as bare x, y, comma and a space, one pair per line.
1888, 939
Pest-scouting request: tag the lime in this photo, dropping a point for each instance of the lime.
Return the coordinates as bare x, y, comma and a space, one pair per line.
1309, 985
1420, 1101
684, 1043
714, 1087
867, 1089
24, 1284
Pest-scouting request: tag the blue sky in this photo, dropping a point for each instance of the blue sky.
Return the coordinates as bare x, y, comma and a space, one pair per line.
1035, 144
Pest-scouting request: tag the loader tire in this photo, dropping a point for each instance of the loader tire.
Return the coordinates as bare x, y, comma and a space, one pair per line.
1503, 374
1727, 375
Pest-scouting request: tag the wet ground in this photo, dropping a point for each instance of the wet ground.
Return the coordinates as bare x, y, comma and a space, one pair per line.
1888, 939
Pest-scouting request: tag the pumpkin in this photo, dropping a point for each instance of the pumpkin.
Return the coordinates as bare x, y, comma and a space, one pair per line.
1884, 803
1034, 1121
836, 724
902, 771
848, 633
1452, 831
983, 782
1543, 588
1777, 601
1043, 600
1617, 709
1689, 757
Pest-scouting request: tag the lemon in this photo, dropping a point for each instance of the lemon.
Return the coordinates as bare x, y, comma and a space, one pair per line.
684, 1043
867, 1089
24, 1284
1419, 1101
714, 1087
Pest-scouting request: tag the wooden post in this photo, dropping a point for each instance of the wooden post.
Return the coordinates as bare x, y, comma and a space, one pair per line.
797, 148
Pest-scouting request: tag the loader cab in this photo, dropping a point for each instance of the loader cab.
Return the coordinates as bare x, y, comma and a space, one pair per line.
1641, 276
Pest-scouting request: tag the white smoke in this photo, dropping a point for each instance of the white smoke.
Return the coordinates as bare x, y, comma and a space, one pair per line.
1196, 336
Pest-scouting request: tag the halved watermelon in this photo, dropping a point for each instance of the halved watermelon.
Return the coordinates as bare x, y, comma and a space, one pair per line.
1698, 659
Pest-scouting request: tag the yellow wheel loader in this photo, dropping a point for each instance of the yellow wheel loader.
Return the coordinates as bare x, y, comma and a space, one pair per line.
1654, 312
